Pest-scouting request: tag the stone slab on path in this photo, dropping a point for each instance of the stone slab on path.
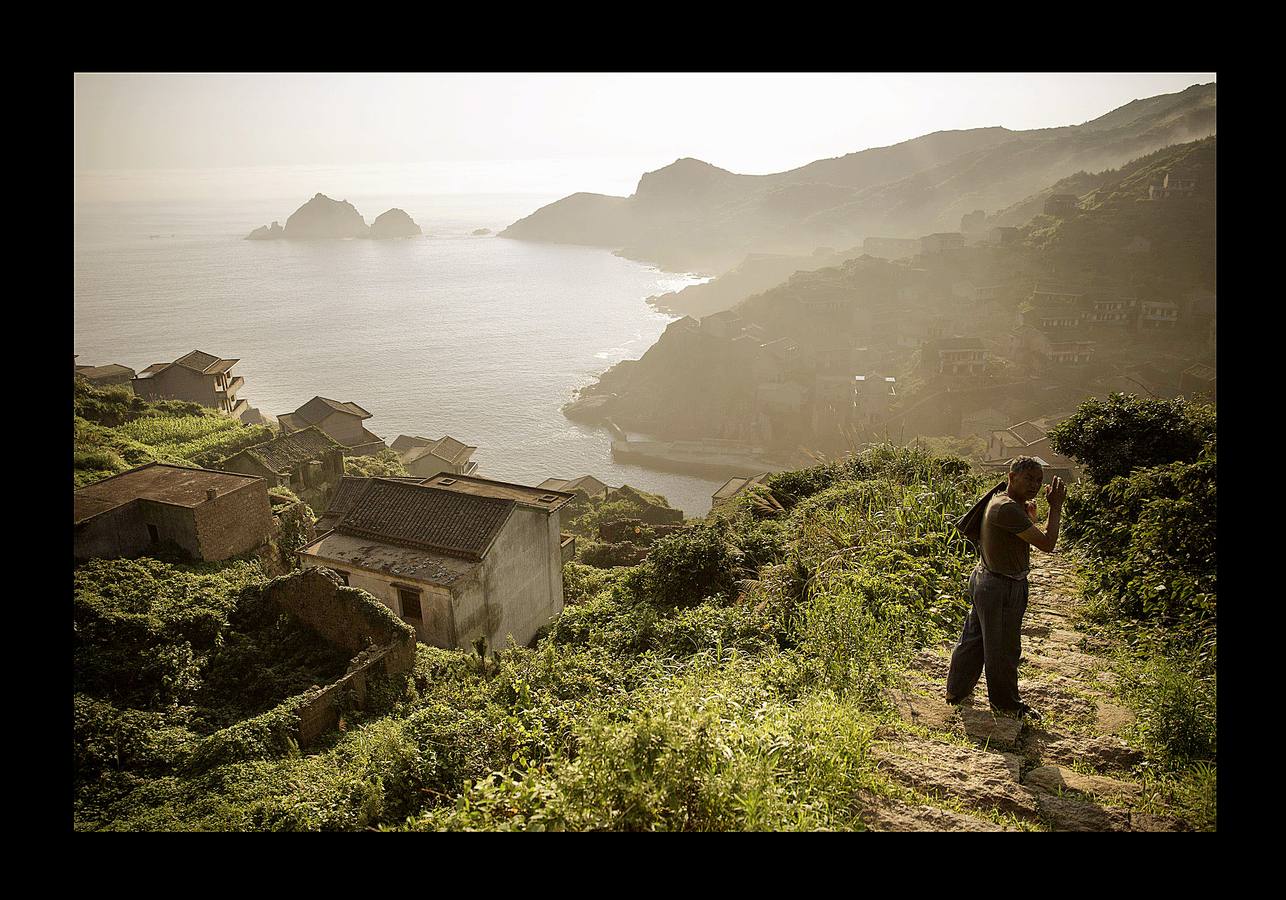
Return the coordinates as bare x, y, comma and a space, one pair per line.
1056, 779
1070, 814
977, 778
1111, 718
1100, 752
887, 814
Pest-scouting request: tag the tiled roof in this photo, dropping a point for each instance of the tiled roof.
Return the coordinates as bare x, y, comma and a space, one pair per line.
450, 448
426, 518
1028, 432
318, 408
485, 487
153, 369
284, 453
587, 483
407, 442
205, 363
350, 488
92, 372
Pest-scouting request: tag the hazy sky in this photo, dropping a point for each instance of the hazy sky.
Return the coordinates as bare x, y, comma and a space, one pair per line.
752, 123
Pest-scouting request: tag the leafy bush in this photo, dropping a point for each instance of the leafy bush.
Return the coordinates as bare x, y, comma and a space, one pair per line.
688, 566
1152, 536
606, 556
385, 464
1176, 709
1112, 437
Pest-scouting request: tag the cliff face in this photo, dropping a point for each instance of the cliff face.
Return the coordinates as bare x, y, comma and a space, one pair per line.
394, 223
322, 217
693, 215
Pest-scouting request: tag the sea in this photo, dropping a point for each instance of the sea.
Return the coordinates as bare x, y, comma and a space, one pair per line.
476, 336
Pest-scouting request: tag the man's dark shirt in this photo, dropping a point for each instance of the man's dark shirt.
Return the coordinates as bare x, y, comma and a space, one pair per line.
1003, 552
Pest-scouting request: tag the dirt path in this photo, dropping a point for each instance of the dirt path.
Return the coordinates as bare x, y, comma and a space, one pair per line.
966, 769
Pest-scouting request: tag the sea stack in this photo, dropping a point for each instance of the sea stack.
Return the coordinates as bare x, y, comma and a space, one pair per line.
322, 217
264, 233
394, 223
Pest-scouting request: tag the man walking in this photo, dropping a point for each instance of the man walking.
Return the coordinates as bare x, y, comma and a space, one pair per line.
998, 586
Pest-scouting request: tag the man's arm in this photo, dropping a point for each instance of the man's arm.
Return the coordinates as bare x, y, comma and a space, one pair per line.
1045, 540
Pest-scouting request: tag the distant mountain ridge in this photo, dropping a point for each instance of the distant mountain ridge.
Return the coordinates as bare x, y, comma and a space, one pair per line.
692, 215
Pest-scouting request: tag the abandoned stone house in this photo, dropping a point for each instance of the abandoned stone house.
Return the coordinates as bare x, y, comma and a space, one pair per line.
1113, 310
588, 485
1053, 318
734, 487
1029, 438
424, 457
1199, 380
196, 377
941, 241
342, 421
1061, 204
1154, 314
101, 376
873, 397
1045, 294
956, 356
205, 514
302, 460
1171, 187
457, 558
1051, 347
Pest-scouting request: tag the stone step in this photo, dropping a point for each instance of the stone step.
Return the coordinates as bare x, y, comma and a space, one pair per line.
1057, 779
887, 814
977, 778
1102, 752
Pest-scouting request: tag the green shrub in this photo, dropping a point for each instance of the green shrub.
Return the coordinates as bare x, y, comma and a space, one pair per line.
607, 556
385, 464
688, 566
1176, 709
1111, 438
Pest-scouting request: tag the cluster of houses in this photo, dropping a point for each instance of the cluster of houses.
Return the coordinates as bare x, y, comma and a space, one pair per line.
456, 556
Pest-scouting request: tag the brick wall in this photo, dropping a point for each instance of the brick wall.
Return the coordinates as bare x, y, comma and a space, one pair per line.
115, 533
235, 522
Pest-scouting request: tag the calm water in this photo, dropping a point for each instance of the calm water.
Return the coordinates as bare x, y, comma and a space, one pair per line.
479, 337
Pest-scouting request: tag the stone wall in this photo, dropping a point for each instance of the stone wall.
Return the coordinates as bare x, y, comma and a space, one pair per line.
350, 619
115, 533
235, 522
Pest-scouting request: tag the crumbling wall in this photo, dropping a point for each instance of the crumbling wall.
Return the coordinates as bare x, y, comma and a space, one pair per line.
351, 619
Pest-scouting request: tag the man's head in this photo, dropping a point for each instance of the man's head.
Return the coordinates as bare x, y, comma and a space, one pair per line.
1025, 478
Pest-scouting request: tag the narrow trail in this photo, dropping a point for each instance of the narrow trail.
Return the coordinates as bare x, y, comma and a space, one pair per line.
966, 769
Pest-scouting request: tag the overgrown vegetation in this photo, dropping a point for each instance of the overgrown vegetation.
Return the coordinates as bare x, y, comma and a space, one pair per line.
114, 431
733, 680
730, 681
385, 464
1148, 522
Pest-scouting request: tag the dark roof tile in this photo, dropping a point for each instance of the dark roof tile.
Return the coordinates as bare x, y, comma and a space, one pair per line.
426, 518
284, 453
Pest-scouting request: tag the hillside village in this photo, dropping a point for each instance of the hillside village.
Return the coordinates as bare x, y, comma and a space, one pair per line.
966, 336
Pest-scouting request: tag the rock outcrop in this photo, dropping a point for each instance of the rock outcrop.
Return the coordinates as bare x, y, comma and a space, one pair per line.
266, 233
322, 217
478, 232
394, 223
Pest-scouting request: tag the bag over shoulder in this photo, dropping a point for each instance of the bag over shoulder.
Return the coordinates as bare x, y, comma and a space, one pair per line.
970, 524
